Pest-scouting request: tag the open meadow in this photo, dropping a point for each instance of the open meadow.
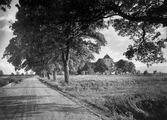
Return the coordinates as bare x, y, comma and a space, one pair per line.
120, 97
6, 79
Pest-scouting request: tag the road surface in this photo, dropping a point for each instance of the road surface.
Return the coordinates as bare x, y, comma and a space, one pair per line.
32, 100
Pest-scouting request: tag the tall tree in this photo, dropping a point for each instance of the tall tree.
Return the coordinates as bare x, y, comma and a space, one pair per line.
100, 66
80, 58
154, 72
131, 67
145, 72
52, 32
122, 65
30, 52
76, 40
67, 22
138, 19
125, 66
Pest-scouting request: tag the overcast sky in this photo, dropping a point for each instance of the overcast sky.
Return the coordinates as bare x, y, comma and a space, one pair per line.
116, 45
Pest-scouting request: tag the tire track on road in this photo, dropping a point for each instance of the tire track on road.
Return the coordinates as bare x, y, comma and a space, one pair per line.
32, 100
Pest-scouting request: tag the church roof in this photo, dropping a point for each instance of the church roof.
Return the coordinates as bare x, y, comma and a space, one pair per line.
90, 63
107, 57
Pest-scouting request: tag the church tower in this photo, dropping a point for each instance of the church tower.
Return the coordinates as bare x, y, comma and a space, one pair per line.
109, 62
107, 59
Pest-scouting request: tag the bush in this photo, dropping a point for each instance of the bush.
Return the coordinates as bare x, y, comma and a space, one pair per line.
1, 73
139, 108
12, 74
145, 72
5, 81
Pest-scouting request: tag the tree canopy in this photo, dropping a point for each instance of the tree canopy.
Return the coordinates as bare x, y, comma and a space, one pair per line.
124, 66
138, 19
42, 35
63, 28
4, 4
100, 66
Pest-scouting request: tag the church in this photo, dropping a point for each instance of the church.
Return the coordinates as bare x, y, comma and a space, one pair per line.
89, 66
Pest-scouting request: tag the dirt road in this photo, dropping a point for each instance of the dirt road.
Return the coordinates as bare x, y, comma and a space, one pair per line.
32, 100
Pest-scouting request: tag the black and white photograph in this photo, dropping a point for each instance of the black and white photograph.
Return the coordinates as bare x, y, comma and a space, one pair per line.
83, 59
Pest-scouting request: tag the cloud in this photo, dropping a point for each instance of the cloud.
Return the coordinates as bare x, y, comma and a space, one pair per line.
6, 28
2, 64
116, 45
163, 31
5, 19
6, 67
2, 36
8, 17
115, 42
152, 68
5, 22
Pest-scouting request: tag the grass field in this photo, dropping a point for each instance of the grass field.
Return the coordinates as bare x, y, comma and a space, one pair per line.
4, 80
121, 97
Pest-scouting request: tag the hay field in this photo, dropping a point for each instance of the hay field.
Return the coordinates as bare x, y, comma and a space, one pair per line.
4, 80
121, 97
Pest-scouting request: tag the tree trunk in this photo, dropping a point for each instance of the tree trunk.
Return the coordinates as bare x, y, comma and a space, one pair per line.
65, 58
54, 74
48, 75
44, 73
66, 72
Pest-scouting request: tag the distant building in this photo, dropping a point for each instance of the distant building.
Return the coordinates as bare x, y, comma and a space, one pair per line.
89, 66
17, 73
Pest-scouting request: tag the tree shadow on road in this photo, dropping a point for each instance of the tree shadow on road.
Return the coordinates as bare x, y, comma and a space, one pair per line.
29, 106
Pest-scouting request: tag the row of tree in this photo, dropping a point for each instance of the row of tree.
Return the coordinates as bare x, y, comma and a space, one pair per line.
123, 66
45, 39
57, 31
119, 67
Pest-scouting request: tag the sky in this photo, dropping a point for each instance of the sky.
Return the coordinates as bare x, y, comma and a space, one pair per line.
116, 45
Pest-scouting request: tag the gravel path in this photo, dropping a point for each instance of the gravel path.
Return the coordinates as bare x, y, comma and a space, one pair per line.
32, 100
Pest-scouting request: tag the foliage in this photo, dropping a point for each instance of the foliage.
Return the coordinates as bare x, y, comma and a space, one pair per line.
138, 107
4, 4
124, 66
79, 60
155, 72
9, 79
137, 19
145, 72
88, 67
131, 67
12, 74
56, 38
64, 26
138, 72
100, 66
